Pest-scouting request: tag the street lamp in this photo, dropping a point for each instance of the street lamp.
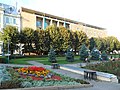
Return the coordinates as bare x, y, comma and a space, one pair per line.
8, 50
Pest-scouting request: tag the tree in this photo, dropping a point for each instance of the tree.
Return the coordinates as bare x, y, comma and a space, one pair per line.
52, 56
39, 36
69, 55
53, 36
95, 54
104, 55
10, 35
84, 52
63, 39
112, 43
92, 43
27, 38
81, 38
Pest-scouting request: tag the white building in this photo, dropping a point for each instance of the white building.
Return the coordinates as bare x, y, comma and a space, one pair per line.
8, 16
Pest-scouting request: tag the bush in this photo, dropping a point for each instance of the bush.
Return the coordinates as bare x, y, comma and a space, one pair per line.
84, 52
95, 54
52, 56
69, 55
104, 56
14, 83
2, 59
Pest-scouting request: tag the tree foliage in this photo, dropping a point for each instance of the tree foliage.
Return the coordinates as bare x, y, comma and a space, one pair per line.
10, 35
52, 56
95, 54
27, 38
84, 52
104, 55
70, 55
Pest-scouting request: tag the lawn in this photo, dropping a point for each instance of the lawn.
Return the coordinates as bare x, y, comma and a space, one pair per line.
44, 60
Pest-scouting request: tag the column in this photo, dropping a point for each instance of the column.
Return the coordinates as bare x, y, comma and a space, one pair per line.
70, 26
2, 20
43, 23
51, 22
57, 23
64, 24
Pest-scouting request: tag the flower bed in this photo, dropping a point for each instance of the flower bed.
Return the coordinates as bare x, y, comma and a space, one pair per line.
35, 77
112, 67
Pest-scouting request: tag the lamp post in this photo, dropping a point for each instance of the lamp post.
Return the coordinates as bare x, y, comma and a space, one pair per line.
8, 49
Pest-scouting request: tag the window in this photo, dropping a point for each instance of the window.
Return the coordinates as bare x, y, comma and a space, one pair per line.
10, 19
7, 20
14, 21
39, 24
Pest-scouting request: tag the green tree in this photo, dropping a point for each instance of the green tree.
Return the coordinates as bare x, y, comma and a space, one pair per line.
69, 55
11, 35
63, 39
54, 36
52, 56
95, 54
39, 39
84, 52
27, 38
112, 43
92, 43
104, 55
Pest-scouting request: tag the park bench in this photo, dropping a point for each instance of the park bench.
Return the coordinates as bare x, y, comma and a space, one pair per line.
55, 66
89, 74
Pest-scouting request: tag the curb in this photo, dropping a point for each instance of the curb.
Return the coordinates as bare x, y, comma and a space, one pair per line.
56, 87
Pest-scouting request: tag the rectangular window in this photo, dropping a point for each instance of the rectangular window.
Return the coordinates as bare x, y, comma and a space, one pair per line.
7, 20
14, 21
39, 24
10, 20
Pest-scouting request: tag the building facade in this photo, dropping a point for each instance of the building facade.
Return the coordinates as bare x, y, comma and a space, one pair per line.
35, 19
9, 16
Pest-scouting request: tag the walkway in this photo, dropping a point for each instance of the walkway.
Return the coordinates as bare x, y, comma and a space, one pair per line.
98, 85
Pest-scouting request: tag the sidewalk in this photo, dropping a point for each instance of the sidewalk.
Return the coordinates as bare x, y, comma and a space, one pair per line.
97, 85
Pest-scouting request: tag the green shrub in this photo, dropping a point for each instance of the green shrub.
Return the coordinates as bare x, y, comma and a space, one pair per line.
14, 83
52, 55
69, 55
95, 54
2, 59
104, 56
84, 52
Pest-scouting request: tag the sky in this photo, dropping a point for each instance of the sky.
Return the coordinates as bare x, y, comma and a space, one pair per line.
101, 13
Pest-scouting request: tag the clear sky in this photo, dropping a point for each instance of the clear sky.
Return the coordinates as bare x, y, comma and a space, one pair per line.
101, 13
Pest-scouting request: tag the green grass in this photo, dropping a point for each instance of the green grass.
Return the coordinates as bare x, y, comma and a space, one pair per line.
44, 60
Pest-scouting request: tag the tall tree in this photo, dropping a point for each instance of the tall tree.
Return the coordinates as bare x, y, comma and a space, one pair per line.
54, 35
92, 43
27, 37
64, 38
10, 36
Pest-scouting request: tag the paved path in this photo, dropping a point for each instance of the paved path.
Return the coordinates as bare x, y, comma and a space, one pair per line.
98, 85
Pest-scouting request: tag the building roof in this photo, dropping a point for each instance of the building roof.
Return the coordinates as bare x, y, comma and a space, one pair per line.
60, 18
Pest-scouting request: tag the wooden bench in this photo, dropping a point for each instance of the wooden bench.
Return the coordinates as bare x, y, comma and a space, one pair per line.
89, 74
